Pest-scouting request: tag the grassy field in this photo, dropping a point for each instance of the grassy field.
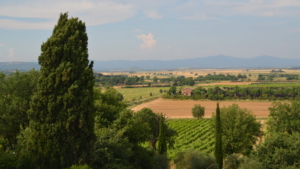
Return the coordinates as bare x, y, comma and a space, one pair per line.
193, 134
134, 96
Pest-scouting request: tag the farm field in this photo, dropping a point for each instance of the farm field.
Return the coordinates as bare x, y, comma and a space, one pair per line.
193, 134
135, 93
182, 108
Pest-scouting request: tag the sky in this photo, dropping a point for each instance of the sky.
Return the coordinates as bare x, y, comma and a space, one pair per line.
156, 29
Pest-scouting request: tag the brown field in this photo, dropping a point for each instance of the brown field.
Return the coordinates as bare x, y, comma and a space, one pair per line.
182, 108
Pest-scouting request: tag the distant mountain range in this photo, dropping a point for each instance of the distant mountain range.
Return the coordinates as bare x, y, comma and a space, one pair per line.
219, 61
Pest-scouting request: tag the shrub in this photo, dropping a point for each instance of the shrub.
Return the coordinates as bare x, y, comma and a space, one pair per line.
194, 159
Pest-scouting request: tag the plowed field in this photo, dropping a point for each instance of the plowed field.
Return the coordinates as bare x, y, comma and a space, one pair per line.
183, 108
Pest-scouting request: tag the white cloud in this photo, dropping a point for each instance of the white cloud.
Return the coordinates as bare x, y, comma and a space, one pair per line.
11, 53
152, 14
136, 30
1, 44
148, 41
90, 11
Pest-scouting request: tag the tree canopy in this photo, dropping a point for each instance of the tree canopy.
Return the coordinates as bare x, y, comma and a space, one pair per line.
240, 129
62, 110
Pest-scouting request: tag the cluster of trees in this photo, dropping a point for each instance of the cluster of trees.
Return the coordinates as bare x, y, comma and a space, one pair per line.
56, 119
220, 77
239, 143
229, 93
278, 150
113, 80
270, 77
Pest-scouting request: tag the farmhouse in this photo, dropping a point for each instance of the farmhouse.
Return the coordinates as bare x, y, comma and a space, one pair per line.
187, 92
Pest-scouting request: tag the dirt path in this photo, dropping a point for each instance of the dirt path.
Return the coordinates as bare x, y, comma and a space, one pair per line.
182, 108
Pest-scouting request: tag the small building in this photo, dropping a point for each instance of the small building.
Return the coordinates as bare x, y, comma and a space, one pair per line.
187, 92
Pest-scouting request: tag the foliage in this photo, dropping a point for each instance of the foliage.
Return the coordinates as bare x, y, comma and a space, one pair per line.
217, 77
279, 92
284, 117
80, 167
62, 110
194, 159
7, 161
251, 162
172, 90
280, 151
157, 124
240, 130
198, 111
15, 93
231, 162
218, 137
107, 149
127, 133
108, 105
162, 141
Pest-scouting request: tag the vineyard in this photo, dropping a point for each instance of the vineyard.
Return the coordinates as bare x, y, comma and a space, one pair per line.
193, 134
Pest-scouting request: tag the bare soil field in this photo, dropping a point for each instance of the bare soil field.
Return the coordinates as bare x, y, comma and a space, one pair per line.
183, 108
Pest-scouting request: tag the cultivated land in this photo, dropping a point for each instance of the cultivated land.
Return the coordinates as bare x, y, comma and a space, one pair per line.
182, 108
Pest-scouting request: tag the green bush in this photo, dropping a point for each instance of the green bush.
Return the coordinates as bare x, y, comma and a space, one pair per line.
194, 160
85, 166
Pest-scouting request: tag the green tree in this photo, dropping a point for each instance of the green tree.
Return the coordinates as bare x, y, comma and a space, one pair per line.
108, 105
198, 111
15, 93
218, 143
281, 150
160, 91
155, 79
240, 130
153, 120
172, 90
62, 110
284, 118
148, 77
162, 142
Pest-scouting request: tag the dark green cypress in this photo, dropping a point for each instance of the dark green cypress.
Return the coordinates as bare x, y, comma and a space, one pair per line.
162, 142
218, 143
62, 110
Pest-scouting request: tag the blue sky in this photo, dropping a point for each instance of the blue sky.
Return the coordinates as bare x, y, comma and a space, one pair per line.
156, 29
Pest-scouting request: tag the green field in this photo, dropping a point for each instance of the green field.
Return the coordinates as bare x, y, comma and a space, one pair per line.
193, 134
144, 92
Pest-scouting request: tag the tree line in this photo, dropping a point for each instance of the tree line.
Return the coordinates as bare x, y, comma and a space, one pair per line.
229, 93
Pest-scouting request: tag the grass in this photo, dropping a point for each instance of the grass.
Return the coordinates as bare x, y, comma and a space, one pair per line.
139, 95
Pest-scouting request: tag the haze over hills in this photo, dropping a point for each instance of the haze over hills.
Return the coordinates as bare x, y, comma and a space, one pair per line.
219, 61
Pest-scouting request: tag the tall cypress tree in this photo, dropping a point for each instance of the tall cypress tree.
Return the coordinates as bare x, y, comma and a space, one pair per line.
218, 143
62, 110
162, 142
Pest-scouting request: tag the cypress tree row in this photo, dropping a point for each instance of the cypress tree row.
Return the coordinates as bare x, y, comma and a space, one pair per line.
62, 110
162, 142
218, 143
